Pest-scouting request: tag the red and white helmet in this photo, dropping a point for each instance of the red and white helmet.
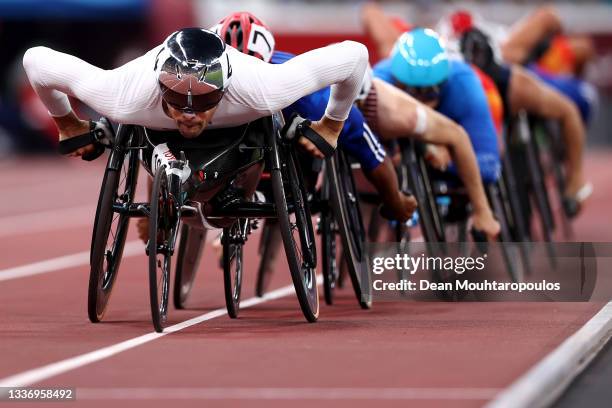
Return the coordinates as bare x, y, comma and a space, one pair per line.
248, 34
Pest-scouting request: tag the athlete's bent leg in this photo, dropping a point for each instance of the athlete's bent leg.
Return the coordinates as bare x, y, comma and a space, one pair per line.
528, 32
379, 27
534, 96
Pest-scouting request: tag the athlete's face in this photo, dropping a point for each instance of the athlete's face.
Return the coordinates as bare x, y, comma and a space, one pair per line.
190, 123
429, 96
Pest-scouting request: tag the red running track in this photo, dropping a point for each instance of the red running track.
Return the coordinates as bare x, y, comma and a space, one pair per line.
422, 354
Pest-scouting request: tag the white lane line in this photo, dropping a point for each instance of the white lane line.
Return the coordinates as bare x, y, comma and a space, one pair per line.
49, 220
290, 393
545, 382
39, 374
132, 248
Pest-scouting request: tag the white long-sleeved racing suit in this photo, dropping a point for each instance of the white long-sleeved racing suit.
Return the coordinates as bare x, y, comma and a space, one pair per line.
130, 93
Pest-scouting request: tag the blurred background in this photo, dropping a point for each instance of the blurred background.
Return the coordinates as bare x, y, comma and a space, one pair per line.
108, 33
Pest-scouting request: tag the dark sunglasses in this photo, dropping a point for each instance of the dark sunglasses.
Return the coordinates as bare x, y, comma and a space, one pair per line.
424, 93
191, 103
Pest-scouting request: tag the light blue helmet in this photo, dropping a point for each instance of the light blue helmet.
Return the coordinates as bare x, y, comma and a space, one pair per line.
419, 59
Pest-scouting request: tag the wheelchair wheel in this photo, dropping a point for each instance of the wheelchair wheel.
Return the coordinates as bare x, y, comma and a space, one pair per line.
189, 254
512, 260
110, 228
329, 264
557, 156
414, 177
347, 212
163, 225
233, 241
527, 152
296, 229
540, 190
534, 195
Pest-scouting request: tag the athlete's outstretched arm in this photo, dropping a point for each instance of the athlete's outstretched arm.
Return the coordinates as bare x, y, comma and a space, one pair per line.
55, 76
116, 94
274, 87
397, 117
341, 66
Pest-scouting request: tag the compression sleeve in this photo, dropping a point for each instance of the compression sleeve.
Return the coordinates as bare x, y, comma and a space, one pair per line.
113, 93
340, 65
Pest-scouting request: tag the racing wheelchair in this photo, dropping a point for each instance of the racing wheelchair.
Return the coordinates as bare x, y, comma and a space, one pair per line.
444, 211
203, 183
337, 205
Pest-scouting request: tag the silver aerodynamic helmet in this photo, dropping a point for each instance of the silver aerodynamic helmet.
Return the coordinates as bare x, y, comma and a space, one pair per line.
193, 69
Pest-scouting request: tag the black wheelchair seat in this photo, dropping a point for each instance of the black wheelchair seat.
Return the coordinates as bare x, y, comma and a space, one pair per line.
217, 155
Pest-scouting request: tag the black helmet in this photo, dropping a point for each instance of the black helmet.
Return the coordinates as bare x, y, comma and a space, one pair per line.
476, 48
193, 69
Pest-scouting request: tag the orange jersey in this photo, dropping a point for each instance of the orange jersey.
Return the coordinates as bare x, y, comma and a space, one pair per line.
496, 105
559, 58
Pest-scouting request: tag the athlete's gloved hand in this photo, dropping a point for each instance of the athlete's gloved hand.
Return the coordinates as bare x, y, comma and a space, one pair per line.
85, 138
319, 138
438, 156
328, 129
485, 222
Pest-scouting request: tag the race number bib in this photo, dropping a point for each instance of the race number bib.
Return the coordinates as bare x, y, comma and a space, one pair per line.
261, 41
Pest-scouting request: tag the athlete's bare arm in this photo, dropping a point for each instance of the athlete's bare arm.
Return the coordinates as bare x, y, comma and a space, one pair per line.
378, 26
341, 66
397, 117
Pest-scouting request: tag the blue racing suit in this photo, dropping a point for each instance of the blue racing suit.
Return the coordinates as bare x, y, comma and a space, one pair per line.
463, 100
579, 91
356, 138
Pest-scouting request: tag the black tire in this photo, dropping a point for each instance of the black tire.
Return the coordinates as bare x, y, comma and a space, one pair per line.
233, 241
533, 172
162, 231
118, 187
296, 229
510, 196
347, 212
414, 177
190, 251
556, 148
329, 264
540, 191
527, 167
508, 250
565, 221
